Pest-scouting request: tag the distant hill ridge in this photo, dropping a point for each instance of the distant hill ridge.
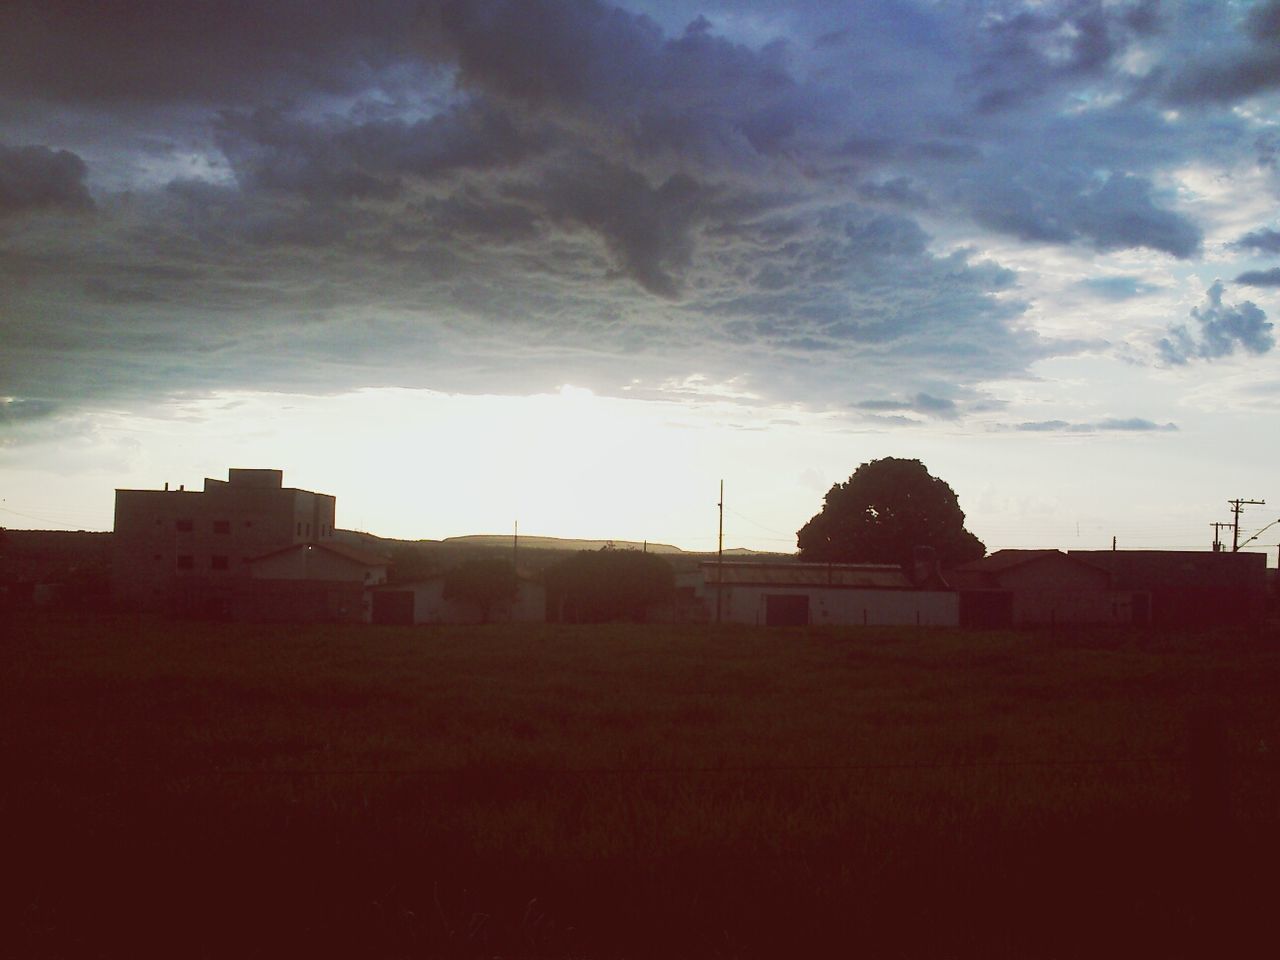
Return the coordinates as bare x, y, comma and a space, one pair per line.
559, 543
57, 554
529, 543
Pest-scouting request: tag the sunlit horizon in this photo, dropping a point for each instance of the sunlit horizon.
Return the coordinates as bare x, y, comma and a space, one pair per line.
419, 465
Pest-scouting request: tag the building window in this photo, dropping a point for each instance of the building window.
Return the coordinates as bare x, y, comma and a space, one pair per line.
299, 528
308, 529
186, 563
183, 525
218, 563
222, 526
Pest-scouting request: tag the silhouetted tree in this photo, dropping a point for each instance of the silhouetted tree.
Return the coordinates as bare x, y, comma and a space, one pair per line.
482, 582
594, 586
887, 508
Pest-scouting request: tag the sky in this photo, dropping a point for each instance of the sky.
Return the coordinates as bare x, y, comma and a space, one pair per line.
463, 264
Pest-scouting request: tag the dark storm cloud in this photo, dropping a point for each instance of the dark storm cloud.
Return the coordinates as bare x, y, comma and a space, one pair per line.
898, 192
1263, 240
488, 195
1056, 205
594, 55
37, 178
1218, 329
647, 226
344, 159
621, 83
231, 50
1249, 67
1260, 278
1026, 49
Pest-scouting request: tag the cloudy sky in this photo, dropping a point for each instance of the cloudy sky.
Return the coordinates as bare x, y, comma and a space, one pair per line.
460, 263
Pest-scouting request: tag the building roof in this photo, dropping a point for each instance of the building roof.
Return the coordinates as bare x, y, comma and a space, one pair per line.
1005, 559
354, 554
985, 573
866, 575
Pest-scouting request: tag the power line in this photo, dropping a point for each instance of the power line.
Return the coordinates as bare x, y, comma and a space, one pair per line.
1238, 505
31, 516
755, 523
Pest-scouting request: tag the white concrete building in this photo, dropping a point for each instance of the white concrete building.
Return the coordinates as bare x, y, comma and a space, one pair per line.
188, 550
803, 594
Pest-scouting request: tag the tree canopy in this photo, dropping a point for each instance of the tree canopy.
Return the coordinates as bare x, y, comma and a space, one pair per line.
482, 582
594, 586
883, 512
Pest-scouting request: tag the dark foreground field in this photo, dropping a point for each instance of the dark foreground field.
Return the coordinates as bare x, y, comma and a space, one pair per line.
229, 791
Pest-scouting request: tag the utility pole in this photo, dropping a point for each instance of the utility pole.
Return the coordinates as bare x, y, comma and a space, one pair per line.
1237, 506
720, 553
1217, 537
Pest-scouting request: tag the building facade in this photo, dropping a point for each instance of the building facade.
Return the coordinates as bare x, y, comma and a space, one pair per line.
188, 551
837, 594
1189, 588
1041, 588
323, 582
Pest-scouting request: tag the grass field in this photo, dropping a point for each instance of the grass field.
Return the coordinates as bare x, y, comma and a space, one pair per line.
241, 791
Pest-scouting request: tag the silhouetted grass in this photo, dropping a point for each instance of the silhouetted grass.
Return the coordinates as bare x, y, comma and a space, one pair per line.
624, 791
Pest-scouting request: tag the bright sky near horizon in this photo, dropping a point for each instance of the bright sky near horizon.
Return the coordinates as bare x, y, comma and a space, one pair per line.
572, 263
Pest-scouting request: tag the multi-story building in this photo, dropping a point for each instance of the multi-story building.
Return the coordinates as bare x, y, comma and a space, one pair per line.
189, 551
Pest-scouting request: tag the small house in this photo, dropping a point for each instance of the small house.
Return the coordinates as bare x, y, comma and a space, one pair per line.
308, 583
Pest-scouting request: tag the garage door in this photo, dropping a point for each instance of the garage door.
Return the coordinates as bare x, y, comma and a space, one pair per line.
786, 610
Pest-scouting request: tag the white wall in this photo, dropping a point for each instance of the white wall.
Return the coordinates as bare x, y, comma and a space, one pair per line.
746, 604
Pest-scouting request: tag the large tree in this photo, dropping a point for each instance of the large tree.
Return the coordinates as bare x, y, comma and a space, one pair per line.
601, 585
483, 582
883, 512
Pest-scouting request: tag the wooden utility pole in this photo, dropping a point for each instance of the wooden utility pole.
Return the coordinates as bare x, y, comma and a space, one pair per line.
1217, 536
720, 554
1238, 505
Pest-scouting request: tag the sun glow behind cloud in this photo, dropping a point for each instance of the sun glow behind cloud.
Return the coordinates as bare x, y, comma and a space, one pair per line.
420, 464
